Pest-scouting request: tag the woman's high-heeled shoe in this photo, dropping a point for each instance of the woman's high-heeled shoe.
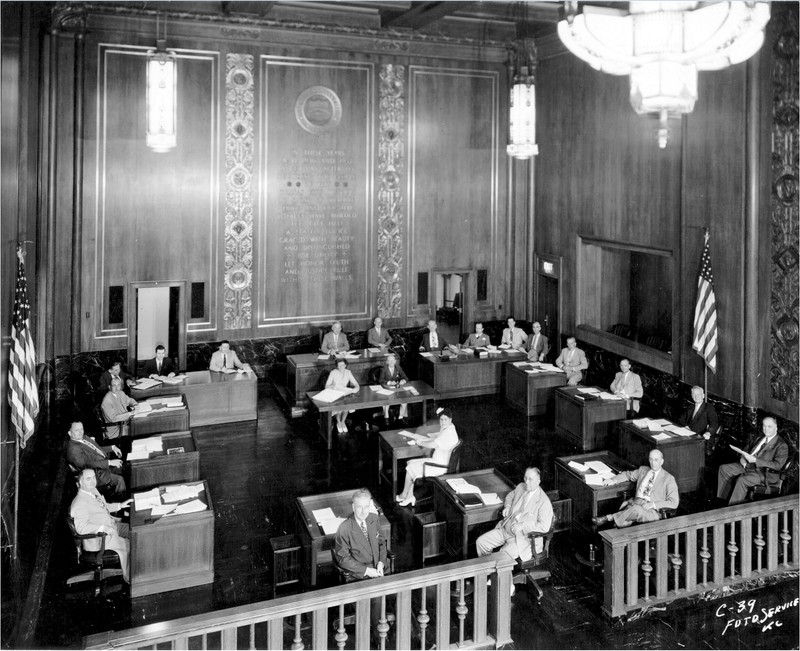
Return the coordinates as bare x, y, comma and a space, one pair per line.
409, 501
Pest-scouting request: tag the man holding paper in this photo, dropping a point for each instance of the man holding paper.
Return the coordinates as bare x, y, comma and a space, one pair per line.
628, 385
92, 514
655, 489
767, 456
527, 510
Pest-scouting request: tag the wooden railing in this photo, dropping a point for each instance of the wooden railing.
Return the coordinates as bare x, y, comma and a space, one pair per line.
421, 599
658, 562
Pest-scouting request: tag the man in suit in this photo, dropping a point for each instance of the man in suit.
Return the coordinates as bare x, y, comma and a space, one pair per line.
538, 346
159, 365
83, 452
526, 510
573, 361
116, 408
92, 514
335, 341
477, 339
754, 468
359, 547
628, 385
226, 360
701, 417
114, 371
432, 341
513, 336
655, 489
378, 336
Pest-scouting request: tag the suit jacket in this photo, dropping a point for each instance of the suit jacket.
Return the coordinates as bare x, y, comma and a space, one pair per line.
664, 493
516, 338
90, 517
770, 458
80, 455
542, 347
115, 407
328, 345
387, 376
376, 340
104, 383
705, 420
533, 510
354, 553
425, 344
151, 367
632, 387
579, 361
477, 340
231, 361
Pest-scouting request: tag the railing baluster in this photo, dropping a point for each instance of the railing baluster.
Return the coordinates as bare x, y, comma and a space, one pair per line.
718, 555
675, 559
461, 611
633, 574
229, 637
772, 541
341, 633
661, 558
647, 569
297, 642
443, 614
733, 549
252, 637
383, 624
705, 555
422, 617
690, 573
759, 542
204, 642
785, 538
745, 540
319, 628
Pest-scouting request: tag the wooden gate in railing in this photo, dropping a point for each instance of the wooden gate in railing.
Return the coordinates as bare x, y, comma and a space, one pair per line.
421, 599
658, 562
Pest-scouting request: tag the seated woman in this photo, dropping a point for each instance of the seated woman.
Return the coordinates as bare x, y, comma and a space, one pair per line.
442, 443
391, 377
341, 379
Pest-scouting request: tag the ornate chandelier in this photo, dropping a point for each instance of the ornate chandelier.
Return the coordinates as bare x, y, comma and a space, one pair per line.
522, 106
662, 45
162, 90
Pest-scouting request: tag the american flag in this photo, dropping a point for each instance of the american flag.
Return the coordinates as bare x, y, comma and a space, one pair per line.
23, 395
705, 312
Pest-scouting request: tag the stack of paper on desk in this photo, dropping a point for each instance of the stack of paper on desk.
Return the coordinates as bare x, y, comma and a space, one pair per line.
375, 387
426, 354
177, 379
520, 364
147, 383
550, 368
189, 507
181, 492
680, 431
141, 448
577, 466
662, 436
462, 486
610, 396
467, 351
327, 521
642, 423
589, 391
329, 395
323, 356
490, 498
374, 350
146, 500
384, 392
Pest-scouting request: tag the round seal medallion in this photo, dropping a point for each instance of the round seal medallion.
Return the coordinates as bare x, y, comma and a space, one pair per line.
318, 109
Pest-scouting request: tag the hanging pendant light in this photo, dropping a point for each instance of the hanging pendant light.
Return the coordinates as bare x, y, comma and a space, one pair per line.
162, 92
522, 105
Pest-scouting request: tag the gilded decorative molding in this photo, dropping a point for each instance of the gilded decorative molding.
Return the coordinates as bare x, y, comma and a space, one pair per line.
239, 139
784, 209
391, 120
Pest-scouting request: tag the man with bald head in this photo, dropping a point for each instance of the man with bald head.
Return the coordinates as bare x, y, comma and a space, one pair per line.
655, 489
106, 461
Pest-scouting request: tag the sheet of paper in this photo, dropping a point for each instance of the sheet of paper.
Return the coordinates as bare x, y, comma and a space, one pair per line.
177, 379
323, 356
551, 368
147, 383
467, 351
609, 396
406, 433
163, 509
683, 431
146, 500
375, 387
190, 507
426, 354
353, 355
143, 408
491, 498
384, 392
504, 346
598, 466
468, 488
588, 390
329, 527
323, 514
663, 436
578, 466
181, 492
663, 422
455, 484
328, 395
641, 423
374, 350
519, 364
594, 480
138, 455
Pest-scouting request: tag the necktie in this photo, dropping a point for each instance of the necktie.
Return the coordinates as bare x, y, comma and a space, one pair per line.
93, 447
224, 360
434, 341
648, 484
101, 501
158, 366
364, 530
536, 342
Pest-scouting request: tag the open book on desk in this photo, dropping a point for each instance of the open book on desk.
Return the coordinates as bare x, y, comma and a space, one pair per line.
329, 395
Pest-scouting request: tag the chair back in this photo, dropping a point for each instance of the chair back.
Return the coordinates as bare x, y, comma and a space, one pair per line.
621, 330
375, 374
454, 463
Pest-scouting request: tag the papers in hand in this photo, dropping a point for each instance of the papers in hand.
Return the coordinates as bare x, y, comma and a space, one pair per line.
735, 449
329, 395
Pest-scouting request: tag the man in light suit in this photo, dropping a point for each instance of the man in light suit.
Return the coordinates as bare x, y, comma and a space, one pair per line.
573, 361
538, 346
628, 385
334, 341
477, 339
754, 468
159, 365
378, 336
432, 340
83, 452
226, 360
514, 336
527, 510
92, 514
359, 548
655, 489
117, 408
701, 417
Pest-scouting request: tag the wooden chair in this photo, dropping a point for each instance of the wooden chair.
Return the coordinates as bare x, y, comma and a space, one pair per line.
96, 562
621, 330
777, 481
106, 427
425, 483
532, 571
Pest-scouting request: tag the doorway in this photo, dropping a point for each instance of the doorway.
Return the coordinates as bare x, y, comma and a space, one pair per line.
449, 291
547, 299
158, 317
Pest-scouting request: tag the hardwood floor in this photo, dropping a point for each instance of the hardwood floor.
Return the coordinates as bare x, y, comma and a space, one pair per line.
255, 471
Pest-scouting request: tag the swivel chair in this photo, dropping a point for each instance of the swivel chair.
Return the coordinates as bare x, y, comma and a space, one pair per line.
95, 562
425, 482
777, 481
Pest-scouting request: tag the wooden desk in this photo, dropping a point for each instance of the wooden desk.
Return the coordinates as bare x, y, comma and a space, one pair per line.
163, 468
532, 393
591, 501
172, 552
392, 447
212, 397
172, 420
466, 375
460, 519
307, 372
317, 545
684, 456
586, 422
366, 398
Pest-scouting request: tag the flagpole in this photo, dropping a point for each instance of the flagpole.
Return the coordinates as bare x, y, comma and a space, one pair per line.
16, 498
